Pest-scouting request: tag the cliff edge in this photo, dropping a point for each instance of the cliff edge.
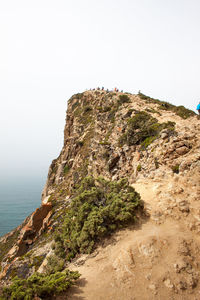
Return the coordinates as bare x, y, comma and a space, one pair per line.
121, 204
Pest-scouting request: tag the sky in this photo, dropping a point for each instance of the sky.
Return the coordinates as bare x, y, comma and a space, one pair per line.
51, 49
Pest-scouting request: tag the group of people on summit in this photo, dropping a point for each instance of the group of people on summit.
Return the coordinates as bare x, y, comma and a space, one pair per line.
117, 90
102, 89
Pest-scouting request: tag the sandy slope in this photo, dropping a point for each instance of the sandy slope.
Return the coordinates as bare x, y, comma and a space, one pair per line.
156, 260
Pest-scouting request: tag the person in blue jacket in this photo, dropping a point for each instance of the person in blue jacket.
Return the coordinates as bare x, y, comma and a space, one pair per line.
198, 108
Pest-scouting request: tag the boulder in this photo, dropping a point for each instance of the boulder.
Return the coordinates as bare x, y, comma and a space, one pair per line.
182, 150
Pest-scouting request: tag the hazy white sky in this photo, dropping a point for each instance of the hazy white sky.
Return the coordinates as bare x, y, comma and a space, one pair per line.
51, 49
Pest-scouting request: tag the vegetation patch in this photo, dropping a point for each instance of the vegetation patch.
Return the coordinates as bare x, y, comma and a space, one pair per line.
66, 169
77, 96
55, 264
105, 143
111, 94
98, 208
39, 285
181, 111
37, 261
103, 109
111, 115
86, 116
175, 169
123, 99
87, 108
143, 129
106, 108
153, 111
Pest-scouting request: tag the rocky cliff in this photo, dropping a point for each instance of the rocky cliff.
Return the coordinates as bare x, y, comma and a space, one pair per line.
145, 243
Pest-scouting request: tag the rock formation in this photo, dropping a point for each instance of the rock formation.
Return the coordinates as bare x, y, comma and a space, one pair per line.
156, 146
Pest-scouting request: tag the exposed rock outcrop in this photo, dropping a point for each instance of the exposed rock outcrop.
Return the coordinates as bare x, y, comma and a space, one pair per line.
157, 147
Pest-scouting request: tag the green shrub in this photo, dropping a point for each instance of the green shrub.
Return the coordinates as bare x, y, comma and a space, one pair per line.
107, 108
111, 115
143, 129
147, 141
87, 108
59, 246
37, 261
77, 96
123, 99
40, 285
66, 169
139, 168
55, 264
103, 109
181, 111
104, 143
175, 169
98, 208
85, 117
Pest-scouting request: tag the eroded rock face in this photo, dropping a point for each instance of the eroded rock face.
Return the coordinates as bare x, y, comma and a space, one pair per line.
33, 229
28, 234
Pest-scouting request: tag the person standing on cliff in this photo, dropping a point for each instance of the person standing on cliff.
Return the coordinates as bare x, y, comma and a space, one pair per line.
198, 108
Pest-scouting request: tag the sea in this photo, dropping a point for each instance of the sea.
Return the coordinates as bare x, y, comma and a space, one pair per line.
19, 197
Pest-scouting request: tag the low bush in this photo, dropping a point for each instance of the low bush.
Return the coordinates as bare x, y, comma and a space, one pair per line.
55, 264
37, 261
181, 111
123, 99
87, 108
77, 96
98, 208
39, 285
107, 108
111, 115
66, 169
175, 169
143, 129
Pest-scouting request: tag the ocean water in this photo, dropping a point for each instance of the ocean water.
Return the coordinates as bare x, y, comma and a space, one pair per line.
19, 197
